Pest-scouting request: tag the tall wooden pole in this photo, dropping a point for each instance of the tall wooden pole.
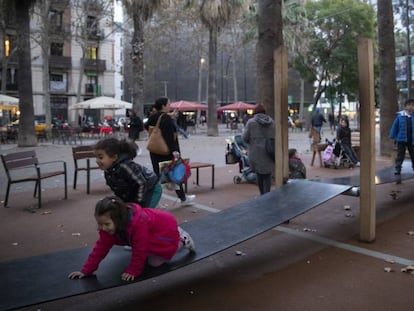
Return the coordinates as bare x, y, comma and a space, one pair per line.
281, 115
367, 199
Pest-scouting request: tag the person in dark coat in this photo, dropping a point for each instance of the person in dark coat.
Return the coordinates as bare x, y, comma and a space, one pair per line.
343, 136
318, 120
258, 128
135, 126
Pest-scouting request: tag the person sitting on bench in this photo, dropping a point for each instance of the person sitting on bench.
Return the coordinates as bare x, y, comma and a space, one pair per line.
153, 235
297, 169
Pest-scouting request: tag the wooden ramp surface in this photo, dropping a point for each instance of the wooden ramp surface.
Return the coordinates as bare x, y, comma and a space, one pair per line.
39, 279
382, 176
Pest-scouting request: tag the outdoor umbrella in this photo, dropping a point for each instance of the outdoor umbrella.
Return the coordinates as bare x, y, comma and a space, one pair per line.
102, 102
236, 106
183, 105
8, 102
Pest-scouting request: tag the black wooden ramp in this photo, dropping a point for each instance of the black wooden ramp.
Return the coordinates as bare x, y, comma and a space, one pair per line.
39, 279
382, 176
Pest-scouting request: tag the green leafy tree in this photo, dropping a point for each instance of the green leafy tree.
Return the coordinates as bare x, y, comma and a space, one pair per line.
331, 57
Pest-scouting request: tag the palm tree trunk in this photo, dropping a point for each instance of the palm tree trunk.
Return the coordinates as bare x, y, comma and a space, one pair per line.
27, 137
212, 127
137, 56
387, 83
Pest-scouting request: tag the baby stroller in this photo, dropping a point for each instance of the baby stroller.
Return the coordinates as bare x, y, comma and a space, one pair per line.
237, 152
334, 156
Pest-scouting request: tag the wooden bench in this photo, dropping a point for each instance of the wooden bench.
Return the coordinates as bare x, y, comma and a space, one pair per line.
197, 166
83, 153
24, 167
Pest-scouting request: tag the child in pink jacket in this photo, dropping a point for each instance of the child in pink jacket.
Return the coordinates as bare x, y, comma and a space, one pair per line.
153, 235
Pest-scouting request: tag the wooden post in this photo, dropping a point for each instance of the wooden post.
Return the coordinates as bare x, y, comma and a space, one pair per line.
367, 199
281, 115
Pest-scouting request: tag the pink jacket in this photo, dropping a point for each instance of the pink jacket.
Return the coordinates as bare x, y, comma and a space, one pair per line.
150, 232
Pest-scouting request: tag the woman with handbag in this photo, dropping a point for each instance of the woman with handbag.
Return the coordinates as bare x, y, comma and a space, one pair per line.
163, 142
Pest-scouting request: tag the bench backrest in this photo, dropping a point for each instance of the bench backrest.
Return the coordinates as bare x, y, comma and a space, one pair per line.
19, 159
355, 138
83, 152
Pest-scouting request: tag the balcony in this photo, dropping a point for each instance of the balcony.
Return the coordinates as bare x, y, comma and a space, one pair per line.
98, 65
61, 62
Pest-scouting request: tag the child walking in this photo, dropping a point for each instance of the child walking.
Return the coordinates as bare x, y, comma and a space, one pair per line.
296, 167
129, 180
153, 235
402, 131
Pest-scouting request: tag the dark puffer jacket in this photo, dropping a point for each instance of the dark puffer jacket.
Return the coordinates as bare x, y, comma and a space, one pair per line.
130, 181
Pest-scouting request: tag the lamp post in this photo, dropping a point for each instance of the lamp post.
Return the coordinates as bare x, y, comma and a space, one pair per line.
200, 79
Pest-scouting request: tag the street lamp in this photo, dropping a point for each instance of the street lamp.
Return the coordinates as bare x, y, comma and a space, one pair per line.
200, 71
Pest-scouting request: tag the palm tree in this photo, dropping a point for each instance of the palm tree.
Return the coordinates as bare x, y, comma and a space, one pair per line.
27, 137
270, 30
214, 15
387, 81
140, 11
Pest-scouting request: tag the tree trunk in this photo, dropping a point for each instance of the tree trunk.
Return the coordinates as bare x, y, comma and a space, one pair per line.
27, 136
387, 80
137, 57
212, 127
269, 38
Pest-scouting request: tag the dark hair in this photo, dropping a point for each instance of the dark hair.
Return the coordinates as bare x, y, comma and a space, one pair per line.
117, 210
160, 102
259, 108
409, 101
292, 152
346, 120
112, 146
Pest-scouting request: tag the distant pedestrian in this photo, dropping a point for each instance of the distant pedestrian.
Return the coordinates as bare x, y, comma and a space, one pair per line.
135, 126
402, 131
129, 180
153, 235
258, 128
331, 120
318, 120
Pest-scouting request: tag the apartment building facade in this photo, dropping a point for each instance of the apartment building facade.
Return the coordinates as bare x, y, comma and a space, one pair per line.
73, 55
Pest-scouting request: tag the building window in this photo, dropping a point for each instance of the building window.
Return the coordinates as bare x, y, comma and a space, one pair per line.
92, 53
55, 18
56, 49
8, 46
91, 24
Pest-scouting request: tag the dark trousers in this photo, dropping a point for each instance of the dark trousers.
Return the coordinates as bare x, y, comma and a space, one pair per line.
350, 152
401, 146
264, 182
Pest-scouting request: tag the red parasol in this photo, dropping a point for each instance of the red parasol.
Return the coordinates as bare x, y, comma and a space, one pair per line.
236, 106
183, 105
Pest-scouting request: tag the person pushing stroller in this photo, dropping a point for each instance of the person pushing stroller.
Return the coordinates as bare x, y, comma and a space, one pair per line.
343, 136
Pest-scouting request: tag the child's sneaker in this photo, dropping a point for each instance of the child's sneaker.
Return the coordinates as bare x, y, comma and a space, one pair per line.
186, 239
189, 200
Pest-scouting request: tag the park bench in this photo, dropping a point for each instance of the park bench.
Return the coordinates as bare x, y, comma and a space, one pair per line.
25, 167
83, 153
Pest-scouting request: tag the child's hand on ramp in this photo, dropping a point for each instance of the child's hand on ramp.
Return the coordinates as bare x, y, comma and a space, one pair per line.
127, 277
76, 275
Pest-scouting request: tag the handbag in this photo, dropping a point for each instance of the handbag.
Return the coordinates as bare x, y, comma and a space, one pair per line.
156, 142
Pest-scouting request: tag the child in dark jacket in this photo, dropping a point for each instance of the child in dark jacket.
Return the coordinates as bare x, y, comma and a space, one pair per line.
129, 180
296, 167
153, 235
